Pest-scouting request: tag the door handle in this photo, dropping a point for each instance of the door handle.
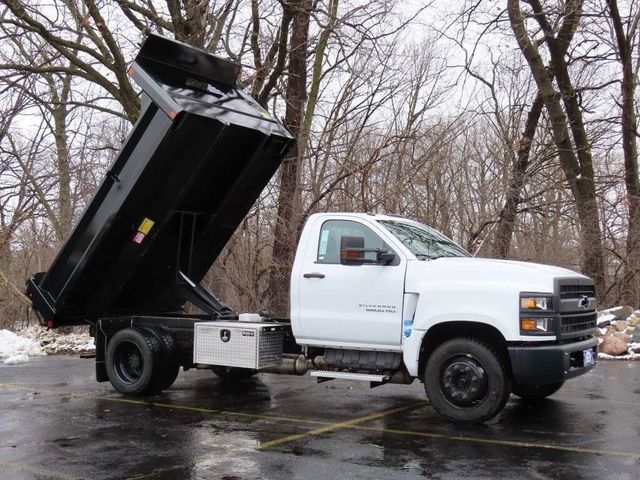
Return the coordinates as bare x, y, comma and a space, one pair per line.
313, 275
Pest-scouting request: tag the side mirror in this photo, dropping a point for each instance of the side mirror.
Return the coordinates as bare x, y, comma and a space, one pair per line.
352, 252
385, 257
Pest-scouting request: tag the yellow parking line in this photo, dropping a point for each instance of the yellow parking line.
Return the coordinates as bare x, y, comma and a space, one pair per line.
339, 425
166, 405
37, 471
355, 424
507, 443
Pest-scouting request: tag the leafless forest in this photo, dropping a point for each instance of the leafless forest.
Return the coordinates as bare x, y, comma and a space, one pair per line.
508, 125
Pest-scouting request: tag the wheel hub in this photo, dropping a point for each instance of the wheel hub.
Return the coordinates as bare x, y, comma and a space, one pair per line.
128, 362
463, 381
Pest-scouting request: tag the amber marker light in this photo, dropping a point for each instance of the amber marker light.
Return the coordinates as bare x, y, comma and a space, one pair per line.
528, 324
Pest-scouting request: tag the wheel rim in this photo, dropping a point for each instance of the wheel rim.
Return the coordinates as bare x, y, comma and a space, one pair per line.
463, 381
128, 362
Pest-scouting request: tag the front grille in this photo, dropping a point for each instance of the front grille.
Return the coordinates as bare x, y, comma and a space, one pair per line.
578, 323
576, 291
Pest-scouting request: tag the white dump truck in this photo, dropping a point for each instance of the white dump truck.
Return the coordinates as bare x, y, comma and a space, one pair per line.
374, 298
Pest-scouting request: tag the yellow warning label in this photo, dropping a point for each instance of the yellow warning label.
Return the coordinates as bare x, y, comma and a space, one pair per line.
145, 226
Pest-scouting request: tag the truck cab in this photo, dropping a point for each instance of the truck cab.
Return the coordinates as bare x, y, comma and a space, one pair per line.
364, 283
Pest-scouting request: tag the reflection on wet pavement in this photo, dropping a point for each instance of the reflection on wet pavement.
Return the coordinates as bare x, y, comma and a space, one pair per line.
58, 423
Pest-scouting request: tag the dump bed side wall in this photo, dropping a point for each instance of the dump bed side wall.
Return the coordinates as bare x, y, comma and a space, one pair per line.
195, 162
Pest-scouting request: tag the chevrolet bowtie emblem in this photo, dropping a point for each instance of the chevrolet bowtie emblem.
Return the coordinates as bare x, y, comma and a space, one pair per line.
584, 302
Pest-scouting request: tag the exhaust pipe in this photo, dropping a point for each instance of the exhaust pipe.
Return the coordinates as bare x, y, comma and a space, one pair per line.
291, 365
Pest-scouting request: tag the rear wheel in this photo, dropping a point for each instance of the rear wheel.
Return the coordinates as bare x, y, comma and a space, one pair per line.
168, 368
131, 359
233, 373
466, 381
533, 393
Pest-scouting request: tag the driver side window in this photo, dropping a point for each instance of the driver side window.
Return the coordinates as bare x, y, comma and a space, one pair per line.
333, 230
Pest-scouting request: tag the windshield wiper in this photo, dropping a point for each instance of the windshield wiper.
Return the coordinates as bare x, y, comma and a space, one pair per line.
423, 256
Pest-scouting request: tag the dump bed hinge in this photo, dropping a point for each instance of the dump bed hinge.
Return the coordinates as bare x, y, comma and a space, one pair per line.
203, 298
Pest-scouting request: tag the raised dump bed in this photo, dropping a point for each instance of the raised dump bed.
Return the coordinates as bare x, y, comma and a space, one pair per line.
195, 162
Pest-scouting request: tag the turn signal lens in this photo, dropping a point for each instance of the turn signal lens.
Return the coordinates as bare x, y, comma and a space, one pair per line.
535, 303
536, 325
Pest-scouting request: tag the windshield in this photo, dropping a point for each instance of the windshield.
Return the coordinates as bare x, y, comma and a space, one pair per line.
422, 241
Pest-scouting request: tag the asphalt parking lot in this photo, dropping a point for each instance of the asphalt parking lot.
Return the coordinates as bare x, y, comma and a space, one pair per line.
57, 423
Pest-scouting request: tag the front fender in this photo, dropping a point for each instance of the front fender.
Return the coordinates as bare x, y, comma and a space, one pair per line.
412, 344
411, 351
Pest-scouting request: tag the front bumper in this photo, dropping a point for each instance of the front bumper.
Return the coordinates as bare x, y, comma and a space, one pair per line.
550, 363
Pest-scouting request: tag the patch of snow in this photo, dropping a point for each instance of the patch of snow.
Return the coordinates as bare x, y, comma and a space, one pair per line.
56, 342
610, 310
17, 359
37, 340
12, 345
629, 356
608, 317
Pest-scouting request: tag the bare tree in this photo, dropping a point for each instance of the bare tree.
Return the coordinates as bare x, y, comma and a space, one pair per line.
574, 150
625, 32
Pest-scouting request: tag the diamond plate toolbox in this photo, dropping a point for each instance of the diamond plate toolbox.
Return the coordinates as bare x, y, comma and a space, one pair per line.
238, 344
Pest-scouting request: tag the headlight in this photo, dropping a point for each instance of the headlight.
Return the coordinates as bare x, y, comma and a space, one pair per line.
535, 303
536, 325
536, 314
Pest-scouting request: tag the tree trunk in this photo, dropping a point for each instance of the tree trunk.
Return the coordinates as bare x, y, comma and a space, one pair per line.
576, 162
507, 216
289, 194
631, 282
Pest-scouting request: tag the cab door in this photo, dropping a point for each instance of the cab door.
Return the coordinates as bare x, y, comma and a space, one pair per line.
350, 305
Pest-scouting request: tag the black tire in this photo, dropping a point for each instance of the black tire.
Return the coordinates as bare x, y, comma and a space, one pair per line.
534, 393
132, 358
466, 381
233, 373
167, 370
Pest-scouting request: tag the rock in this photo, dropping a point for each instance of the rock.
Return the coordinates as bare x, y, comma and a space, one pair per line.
604, 320
600, 332
612, 310
634, 347
622, 335
616, 313
636, 336
613, 345
630, 331
625, 312
633, 320
619, 325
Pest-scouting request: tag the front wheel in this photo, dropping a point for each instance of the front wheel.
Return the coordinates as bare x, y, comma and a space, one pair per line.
533, 393
466, 381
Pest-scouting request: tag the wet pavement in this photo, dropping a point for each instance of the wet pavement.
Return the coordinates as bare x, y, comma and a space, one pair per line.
57, 423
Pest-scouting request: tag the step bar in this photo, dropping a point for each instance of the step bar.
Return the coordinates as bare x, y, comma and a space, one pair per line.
326, 375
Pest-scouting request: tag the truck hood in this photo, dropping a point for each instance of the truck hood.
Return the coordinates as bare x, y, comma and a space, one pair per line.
485, 273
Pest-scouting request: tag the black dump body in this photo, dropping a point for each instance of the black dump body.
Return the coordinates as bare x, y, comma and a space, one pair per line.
196, 160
